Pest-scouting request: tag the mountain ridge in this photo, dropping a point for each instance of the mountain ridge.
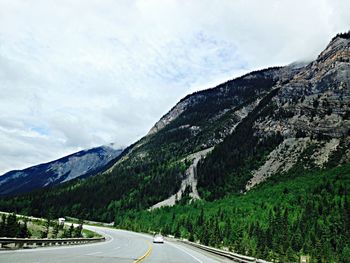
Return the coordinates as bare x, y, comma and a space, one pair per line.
81, 164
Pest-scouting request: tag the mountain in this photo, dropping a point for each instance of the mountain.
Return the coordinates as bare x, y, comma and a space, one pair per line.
78, 165
258, 164
306, 122
222, 141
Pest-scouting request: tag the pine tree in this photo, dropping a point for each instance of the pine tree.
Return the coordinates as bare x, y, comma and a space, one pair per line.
3, 225
47, 226
205, 235
191, 237
200, 220
24, 231
70, 230
297, 241
345, 256
12, 226
55, 231
177, 233
43, 234
65, 233
78, 231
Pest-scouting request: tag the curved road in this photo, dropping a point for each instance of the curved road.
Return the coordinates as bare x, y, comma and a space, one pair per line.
120, 246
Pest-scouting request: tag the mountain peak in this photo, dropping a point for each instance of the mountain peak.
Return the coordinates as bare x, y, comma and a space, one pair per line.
345, 35
338, 49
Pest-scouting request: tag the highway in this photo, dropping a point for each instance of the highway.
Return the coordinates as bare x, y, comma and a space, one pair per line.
120, 246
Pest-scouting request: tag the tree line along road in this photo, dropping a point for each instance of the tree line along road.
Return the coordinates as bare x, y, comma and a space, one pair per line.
120, 246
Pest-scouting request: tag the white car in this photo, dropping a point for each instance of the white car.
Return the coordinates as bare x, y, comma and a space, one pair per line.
158, 238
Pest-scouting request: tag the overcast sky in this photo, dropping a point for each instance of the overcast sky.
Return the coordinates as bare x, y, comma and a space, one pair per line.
75, 74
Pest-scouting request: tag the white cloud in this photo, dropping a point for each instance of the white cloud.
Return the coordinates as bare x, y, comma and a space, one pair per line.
76, 74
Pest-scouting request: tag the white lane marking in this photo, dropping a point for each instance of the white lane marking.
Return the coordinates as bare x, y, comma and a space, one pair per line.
150, 238
117, 247
183, 250
94, 253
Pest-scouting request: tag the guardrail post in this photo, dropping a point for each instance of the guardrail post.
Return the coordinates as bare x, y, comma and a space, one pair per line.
19, 245
21, 242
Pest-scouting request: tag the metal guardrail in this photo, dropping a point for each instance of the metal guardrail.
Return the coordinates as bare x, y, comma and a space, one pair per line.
28, 242
234, 256
69, 218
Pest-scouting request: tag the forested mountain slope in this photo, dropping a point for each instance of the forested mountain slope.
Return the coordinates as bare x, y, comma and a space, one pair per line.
299, 213
260, 124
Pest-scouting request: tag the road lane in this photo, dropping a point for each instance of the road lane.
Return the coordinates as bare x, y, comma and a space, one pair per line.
120, 246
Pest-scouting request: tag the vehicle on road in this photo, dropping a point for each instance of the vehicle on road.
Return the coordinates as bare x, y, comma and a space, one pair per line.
158, 238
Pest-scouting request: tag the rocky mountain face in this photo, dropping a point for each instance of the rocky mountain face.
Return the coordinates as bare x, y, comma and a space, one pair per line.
312, 110
304, 124
278, 117
262, 124
78, 165
220, 109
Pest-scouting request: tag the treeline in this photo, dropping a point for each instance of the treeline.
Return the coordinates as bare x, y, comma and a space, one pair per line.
342, 35
52, 229
129, 186
72, 231
280, 220
11, 227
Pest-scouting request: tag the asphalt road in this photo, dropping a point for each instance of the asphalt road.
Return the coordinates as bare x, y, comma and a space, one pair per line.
120, 246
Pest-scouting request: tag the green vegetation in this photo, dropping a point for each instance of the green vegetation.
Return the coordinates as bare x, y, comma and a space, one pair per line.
228, 168
12, 225
89, 234
98, 198
287, 216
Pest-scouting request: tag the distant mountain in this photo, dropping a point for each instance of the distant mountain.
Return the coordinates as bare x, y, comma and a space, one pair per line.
81, 164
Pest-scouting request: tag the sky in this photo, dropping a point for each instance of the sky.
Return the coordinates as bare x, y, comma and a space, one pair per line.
76, 74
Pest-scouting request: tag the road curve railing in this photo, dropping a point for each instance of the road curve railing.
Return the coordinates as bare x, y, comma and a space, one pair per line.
42, 242
234, 256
